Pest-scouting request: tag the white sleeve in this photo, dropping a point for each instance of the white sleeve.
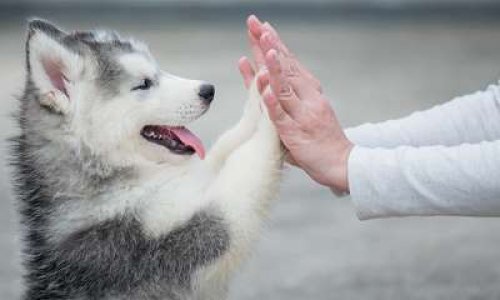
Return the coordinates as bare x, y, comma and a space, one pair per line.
433, 180
466, 119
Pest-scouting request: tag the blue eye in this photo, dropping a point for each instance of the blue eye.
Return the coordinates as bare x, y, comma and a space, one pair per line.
146, 84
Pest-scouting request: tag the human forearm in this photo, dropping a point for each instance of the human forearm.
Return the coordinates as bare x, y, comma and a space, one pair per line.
467, 119
437, 180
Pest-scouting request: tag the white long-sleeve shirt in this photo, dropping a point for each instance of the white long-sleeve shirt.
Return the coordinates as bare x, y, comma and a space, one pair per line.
443, 161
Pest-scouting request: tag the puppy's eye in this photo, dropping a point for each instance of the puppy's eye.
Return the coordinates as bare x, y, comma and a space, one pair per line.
146, 84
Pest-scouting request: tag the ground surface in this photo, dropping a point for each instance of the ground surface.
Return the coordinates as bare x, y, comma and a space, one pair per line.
315, 248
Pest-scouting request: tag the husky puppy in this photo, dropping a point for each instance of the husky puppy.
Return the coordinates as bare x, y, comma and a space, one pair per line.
114, 197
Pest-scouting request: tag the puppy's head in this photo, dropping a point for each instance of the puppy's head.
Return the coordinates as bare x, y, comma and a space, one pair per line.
112, 97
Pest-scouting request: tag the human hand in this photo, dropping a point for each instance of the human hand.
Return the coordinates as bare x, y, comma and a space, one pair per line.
305, 121
257, 31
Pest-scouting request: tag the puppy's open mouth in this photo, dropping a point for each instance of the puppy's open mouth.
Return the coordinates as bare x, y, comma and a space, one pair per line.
179, 140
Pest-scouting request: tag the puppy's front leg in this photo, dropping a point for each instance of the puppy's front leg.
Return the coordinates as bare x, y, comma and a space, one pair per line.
248, 181
236, 136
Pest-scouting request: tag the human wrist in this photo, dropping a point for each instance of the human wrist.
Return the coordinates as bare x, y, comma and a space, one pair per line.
337, 175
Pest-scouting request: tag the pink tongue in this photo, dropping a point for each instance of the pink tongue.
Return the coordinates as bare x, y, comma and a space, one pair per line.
189, 139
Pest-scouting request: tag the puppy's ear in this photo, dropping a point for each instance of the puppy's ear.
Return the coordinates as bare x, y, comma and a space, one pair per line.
54, 64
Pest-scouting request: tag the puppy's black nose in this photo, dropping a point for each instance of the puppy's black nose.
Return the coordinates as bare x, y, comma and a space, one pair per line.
207, 92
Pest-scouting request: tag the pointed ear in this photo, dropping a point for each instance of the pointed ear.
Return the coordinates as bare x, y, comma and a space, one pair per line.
53, 64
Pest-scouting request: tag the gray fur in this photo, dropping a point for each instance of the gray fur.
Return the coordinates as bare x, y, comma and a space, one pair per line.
103, 45
113, 259
116, 259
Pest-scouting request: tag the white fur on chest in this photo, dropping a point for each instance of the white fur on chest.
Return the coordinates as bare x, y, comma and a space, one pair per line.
161, 198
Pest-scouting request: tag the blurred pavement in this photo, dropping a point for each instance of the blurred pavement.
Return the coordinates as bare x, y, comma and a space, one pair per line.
315, 248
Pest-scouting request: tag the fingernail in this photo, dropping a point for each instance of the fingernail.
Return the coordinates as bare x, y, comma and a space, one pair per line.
257, 19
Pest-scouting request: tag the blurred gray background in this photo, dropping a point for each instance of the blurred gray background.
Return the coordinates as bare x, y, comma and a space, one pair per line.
377, 60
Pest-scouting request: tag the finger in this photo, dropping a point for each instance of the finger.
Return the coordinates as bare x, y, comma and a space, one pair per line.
276, 42
281, 87
310, 77
262, 81
304, 88
276, 113
254, 26
267, 42
290, 65
246, 70
276, 39
256, 50
270, 39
